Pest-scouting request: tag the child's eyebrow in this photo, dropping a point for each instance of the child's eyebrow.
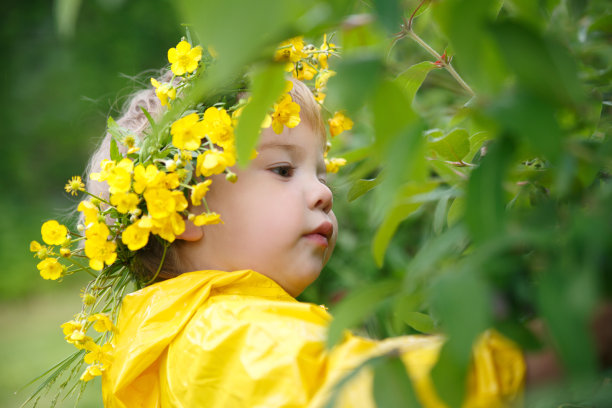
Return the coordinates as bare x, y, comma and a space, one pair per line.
276, 145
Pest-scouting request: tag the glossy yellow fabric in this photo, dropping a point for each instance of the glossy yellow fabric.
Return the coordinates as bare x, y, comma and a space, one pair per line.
236, 339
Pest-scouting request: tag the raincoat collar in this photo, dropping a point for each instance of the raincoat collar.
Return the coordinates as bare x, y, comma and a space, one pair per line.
152, 317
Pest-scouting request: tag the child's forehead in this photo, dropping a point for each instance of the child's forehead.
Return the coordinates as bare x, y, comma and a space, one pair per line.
302, 137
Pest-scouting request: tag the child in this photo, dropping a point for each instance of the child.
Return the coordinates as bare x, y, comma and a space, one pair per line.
221, 326
231, 333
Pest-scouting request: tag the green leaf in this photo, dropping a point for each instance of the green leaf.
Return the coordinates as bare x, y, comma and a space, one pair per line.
453, 146
603, 24
356, 79
485, 205
476, 142
418, 321
456, 211
407, 201
389, 14
268, 84
392, 386
542, 64
461, 301
114, 151
352, 309
113, 128
532, 120
361, 187
412, 78
477, 58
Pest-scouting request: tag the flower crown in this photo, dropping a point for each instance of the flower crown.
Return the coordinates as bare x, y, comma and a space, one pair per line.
148, 194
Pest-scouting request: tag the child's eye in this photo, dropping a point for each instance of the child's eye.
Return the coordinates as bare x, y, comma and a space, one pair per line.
283, 171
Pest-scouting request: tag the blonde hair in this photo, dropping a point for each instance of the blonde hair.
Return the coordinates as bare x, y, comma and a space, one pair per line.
147, 260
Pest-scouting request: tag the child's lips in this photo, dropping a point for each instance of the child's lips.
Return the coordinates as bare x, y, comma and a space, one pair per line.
318, 239
322, 234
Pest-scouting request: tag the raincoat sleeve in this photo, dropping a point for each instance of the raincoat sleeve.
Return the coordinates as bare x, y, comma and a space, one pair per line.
262, 353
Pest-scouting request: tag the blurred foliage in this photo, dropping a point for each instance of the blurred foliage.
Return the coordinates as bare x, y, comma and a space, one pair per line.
58, 91
466, 211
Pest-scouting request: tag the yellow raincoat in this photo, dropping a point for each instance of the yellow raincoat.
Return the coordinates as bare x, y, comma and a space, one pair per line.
237, 339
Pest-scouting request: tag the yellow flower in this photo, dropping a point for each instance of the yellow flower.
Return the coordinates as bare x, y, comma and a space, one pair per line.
89, 210
172, 180
50, 269
105, 167
160, 202
291, 50
187, 132
120, 177
130, 142
102, 355
184, 58
53, 233
150, 177
199, 191
74, 185
135, 236
320, 96
339, 123
102, 323
97, 232
323, 78
97, 248
169, 227
286, 112
65, 252
305, 71
333, 165
180, 202
125, 202
91, 372
42, 251
99, 253
213, 162
164, 91
206, 219
322, 57
71, 326
218, 126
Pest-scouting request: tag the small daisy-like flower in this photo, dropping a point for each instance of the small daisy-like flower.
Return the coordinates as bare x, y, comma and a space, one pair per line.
164, 91
339, 123
183, 58
333, 165
206, 219
53, 233
74, 185
50, 269
286, 113
91, 372
199, 191
102, 323
130, 142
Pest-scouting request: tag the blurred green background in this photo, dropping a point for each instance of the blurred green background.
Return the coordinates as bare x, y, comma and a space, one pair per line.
57, 93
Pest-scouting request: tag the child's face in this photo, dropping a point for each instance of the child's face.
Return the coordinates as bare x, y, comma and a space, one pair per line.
278, 217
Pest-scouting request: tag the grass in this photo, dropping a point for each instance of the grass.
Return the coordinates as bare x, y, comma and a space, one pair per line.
32, 341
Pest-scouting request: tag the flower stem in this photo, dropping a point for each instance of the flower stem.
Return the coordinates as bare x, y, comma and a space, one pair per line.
441, 60
161, 263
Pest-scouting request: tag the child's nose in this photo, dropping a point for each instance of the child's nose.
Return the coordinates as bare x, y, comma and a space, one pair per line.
321, 196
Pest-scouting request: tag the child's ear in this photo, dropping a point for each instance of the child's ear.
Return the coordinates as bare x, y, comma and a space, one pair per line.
192, 233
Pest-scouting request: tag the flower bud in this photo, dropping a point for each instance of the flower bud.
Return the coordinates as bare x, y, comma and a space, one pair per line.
88, 299
231, 177
65, 252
